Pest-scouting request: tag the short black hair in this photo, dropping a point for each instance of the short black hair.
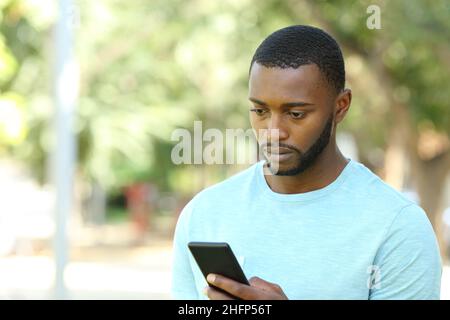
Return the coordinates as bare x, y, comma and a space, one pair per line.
298, 45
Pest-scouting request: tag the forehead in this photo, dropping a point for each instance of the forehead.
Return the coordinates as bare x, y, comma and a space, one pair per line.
305, 82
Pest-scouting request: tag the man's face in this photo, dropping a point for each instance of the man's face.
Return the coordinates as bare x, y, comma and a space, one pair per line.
296, 107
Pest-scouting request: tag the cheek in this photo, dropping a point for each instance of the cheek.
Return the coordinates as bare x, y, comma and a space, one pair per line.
255, 121
304, 133
259, 126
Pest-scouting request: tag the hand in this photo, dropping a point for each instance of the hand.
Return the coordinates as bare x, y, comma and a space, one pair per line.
259, 289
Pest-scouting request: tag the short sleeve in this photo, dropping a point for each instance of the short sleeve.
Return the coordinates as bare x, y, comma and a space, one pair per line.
183, 283
408, 264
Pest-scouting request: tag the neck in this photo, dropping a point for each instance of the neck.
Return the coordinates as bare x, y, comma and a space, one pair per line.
327, 167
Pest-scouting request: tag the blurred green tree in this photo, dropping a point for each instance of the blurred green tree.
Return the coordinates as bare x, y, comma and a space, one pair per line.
148, 67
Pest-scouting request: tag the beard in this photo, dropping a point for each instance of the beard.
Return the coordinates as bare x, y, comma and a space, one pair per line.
304, 160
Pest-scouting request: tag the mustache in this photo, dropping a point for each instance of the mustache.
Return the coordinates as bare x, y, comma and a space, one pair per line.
280, 145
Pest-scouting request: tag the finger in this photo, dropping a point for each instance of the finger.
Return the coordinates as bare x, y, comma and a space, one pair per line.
266, 285
214, 294
260, 283
257, 282
233, 287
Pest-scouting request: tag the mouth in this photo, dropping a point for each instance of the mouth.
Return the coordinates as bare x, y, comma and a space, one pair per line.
277, 151
279, 155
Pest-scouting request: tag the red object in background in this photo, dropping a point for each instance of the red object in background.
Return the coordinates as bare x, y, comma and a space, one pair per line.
140, 207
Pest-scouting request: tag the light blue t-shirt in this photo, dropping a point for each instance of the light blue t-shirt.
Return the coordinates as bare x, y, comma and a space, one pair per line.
356, 238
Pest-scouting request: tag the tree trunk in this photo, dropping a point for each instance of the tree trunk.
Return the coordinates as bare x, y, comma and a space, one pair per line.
430, 178
395, 160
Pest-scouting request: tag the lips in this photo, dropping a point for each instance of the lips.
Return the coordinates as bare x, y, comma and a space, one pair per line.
279, 154
278, 151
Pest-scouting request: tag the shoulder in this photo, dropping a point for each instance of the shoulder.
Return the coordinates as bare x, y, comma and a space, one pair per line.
229, 187
412, 226
370, 189
404, 225
224, 191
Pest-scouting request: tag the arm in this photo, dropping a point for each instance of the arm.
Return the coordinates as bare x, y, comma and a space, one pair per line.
408, 264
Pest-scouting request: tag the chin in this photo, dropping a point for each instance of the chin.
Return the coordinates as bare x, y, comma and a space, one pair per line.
285, 169
290, 168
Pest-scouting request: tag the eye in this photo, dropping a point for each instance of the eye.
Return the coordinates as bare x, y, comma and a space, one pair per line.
258, 111
297, 114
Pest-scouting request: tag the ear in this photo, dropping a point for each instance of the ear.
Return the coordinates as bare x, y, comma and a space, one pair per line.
342, 104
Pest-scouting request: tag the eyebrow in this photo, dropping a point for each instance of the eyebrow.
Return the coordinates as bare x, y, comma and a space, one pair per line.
284, 105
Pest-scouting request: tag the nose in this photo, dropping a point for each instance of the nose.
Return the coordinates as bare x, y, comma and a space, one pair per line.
276, 129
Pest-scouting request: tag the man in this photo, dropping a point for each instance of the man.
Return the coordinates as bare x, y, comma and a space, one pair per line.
307, 223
